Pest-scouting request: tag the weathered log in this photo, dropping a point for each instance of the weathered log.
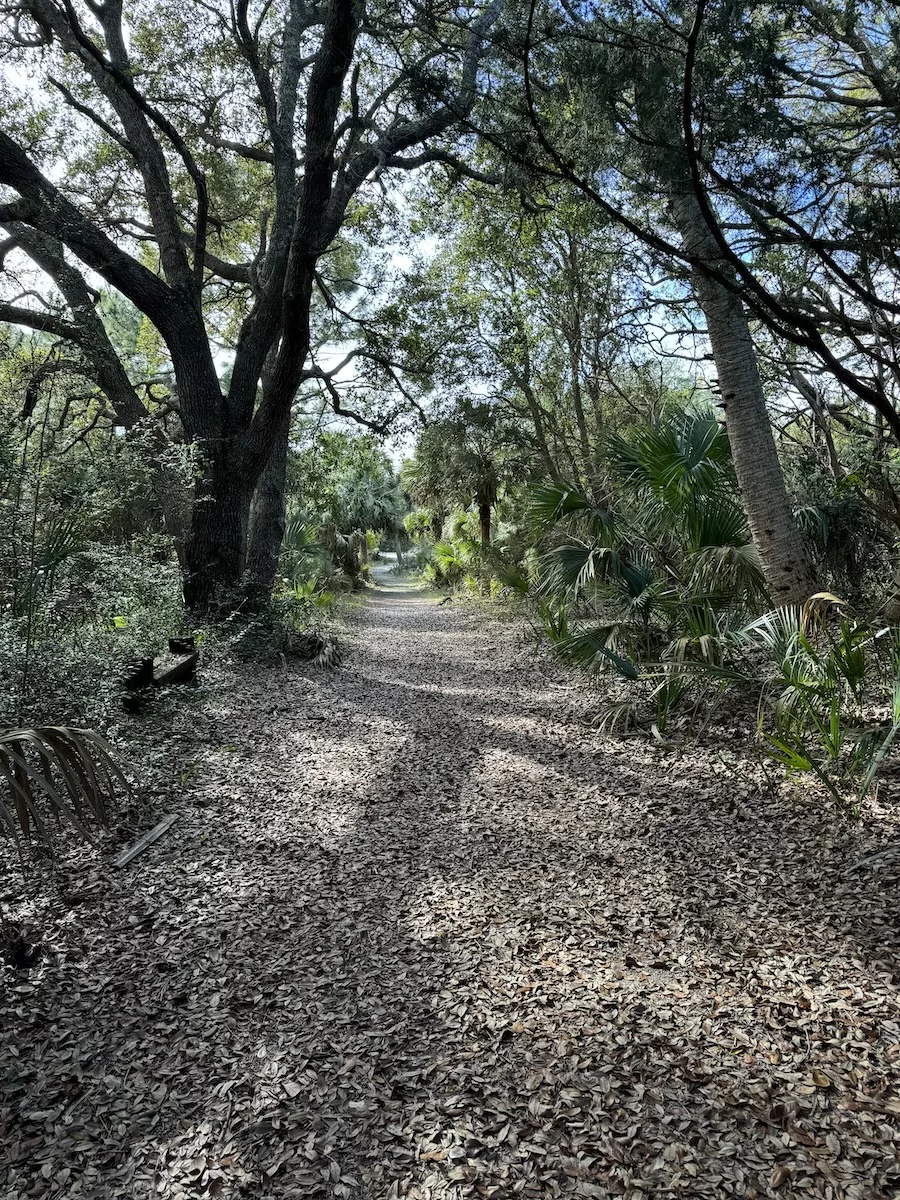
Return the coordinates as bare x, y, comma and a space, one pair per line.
135, 681
138, 674
169, 670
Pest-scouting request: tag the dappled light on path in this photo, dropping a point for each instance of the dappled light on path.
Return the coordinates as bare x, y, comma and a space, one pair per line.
429, 935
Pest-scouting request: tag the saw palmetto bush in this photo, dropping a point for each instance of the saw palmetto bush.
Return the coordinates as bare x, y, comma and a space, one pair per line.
829, 684
55, 778
302, 554
459, 556
653, 581
660, 585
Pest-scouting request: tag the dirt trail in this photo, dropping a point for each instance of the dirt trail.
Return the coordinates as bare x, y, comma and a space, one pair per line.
422, 932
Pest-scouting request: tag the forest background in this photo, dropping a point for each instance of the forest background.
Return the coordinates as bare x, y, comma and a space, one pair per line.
620, 279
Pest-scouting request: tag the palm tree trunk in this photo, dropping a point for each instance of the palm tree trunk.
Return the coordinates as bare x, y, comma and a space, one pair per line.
785, 564
484, 521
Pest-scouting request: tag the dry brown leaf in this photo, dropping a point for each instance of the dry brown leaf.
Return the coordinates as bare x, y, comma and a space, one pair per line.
437, 1155
337, 980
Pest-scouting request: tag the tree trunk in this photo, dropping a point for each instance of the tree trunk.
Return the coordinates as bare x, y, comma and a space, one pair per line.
484, 520
578, 407
248, 469
216, 550
783, 558
540, 433
267, 520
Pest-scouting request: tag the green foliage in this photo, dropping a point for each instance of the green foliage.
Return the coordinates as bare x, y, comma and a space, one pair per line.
467, 458
291, 624
343, 497
452, 561
839, 517
830, 702
548, 504
89, 576
418, 525
653, 580
302, 553
677, 461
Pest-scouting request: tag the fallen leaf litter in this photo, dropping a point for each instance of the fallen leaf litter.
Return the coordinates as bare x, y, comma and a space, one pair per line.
420, 932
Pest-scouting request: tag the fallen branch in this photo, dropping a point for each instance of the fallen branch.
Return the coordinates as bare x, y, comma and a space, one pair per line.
147, 840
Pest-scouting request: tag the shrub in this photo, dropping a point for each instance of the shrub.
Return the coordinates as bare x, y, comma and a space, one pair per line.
830, 696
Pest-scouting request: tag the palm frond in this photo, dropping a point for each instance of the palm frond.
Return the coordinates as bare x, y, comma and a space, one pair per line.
727, 575
776, 629
701, 638
675, 460
69, 774
591, 650
552, 503
513, 576
714, 520
814, 522
617, 716
576, 567
637, 578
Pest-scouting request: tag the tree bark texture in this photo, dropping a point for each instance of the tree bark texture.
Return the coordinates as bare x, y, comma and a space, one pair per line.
785, 564
267, 519
484, 521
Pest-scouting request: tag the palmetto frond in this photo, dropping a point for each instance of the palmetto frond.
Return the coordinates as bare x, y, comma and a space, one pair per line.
299, 536
814, 521
728, 575
513, 576
675, 460
67, 774
592, 649
553, 503
714, 520
704, 636
578, 567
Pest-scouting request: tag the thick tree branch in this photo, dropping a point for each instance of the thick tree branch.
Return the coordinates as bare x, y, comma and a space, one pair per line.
41, 322
403, 136
254, 153
113, 77
45, 208
90, 333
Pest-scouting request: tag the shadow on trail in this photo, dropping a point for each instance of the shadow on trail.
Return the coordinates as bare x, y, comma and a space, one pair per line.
689, 929
476, 950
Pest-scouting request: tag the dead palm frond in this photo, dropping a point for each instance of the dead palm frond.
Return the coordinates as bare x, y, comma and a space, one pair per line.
68, 775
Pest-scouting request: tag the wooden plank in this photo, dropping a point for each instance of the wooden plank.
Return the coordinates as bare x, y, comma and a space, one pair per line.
175, 670
147, 840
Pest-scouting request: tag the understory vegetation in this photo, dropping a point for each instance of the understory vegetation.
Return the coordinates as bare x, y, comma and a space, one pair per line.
551, 373
449, 599
647, 580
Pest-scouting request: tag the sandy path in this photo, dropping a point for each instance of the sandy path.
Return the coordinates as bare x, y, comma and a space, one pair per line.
420, 932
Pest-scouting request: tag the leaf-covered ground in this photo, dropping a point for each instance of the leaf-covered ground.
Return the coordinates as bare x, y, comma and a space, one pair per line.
419, 931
